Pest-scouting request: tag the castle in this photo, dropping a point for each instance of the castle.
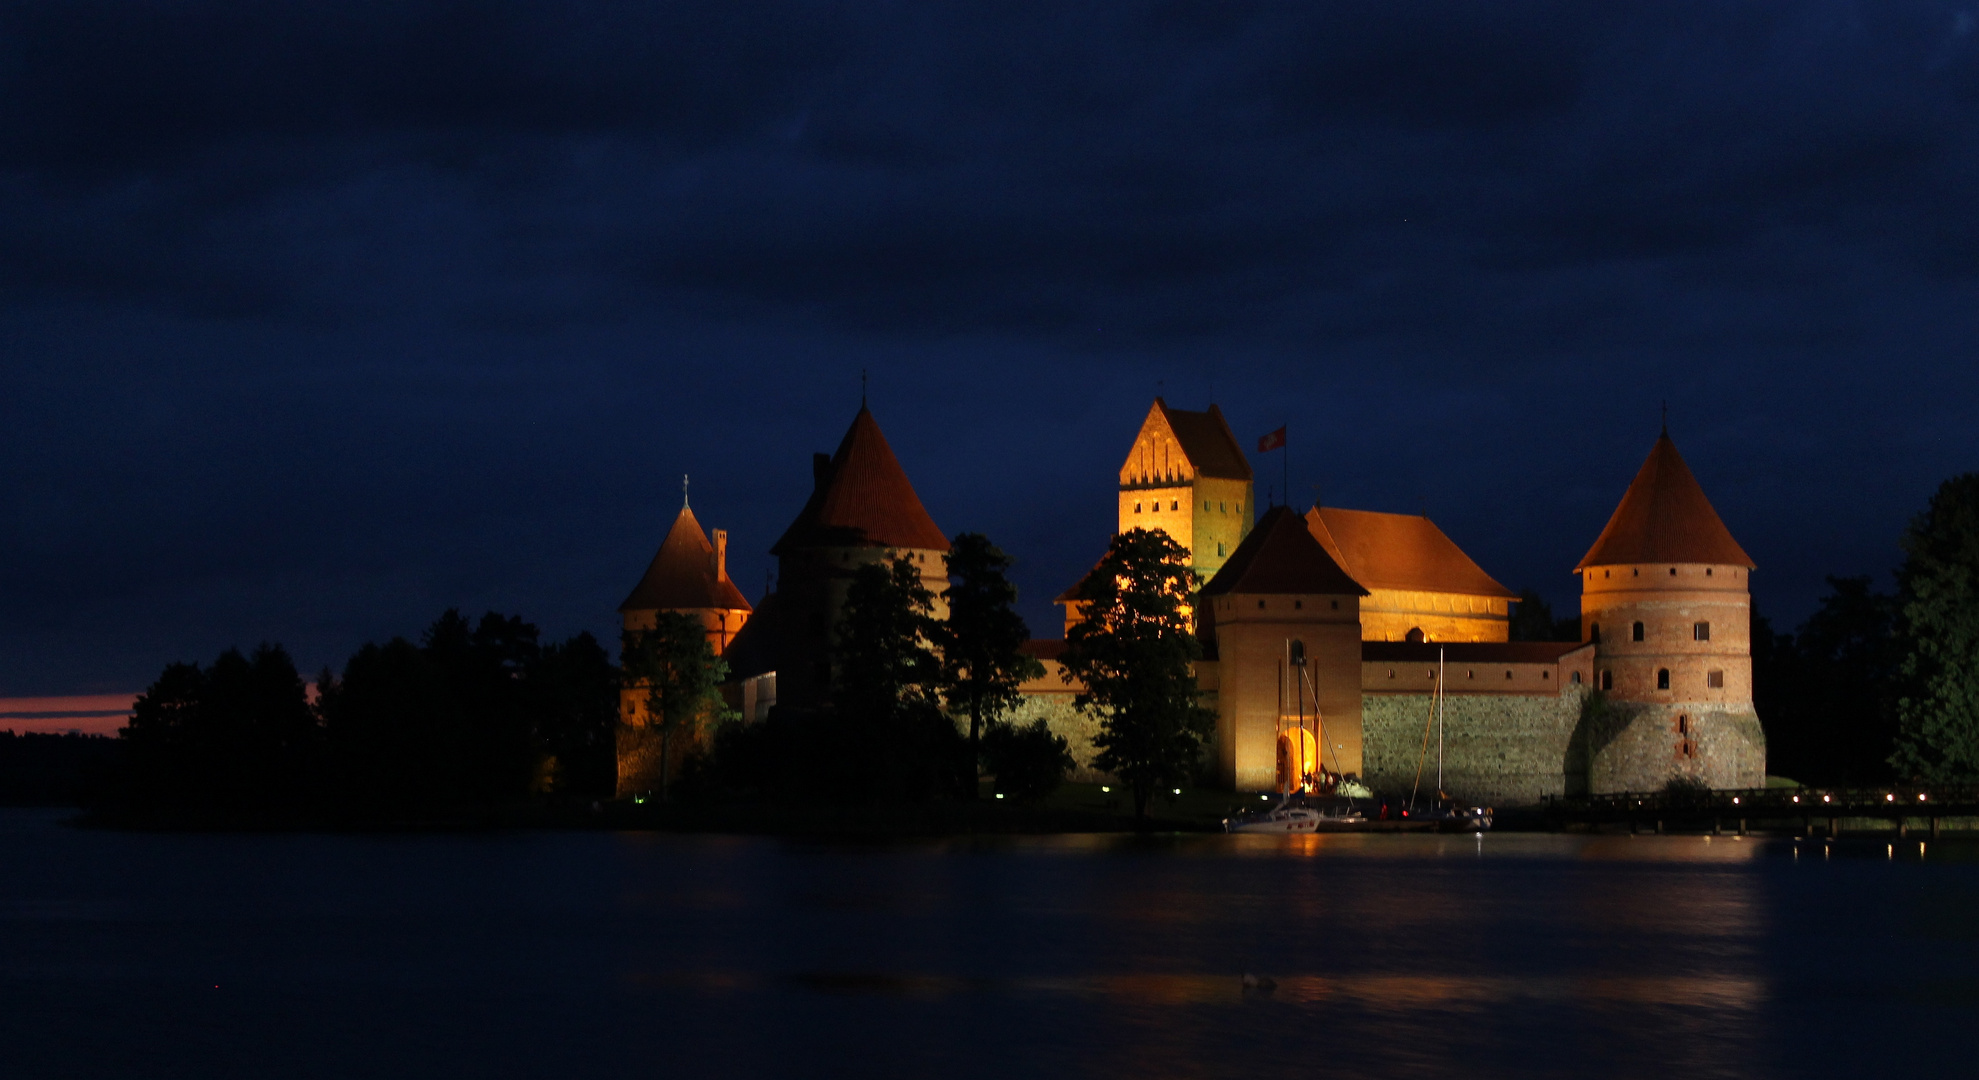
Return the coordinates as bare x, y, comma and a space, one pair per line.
1326, 634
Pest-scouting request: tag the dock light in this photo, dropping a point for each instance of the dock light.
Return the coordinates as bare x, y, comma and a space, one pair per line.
1735, 800
1178, 791
1796, 798
1266, 798
999, 794
1103, 787
1920, 796
1824, 798
1889, 798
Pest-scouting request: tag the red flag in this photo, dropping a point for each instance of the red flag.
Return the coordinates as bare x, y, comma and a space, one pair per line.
1272, 441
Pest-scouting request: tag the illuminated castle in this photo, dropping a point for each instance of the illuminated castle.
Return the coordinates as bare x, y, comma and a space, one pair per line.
1336, 622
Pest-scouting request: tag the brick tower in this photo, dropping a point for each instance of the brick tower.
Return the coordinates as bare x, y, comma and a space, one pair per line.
862, 510
1665, 598
1278, 589
1187, 476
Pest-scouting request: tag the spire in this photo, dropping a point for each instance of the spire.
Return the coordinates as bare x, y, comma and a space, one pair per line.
683, 491
862, 498
686, 573
1665, 518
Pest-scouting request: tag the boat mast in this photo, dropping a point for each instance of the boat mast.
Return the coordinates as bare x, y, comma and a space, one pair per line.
1440, 673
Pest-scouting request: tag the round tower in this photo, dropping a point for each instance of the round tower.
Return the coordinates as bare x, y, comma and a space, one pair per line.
1665, 598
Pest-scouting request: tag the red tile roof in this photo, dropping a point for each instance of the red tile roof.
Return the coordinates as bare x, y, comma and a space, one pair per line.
683, 575
1665, 518
1281, 556
863, 500
1207, 441
1399, 551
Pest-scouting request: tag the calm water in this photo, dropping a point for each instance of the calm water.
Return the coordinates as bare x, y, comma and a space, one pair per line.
628, 955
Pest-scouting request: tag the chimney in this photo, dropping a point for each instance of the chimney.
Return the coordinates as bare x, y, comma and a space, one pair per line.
721, 554
820, 469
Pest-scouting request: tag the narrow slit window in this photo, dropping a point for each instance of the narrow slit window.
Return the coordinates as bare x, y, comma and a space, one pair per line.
1607, 680
1701, 631
1635, 632
1662, 678
1715, 680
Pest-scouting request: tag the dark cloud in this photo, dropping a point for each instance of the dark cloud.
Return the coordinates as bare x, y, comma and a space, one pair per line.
314, 317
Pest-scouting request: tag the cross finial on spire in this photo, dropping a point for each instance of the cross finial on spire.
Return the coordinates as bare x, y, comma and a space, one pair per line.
683, 491
1666, 418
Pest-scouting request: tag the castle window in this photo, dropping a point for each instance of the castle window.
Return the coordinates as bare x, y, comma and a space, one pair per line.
1636, 632
1298, 605
1470, 673
1260, 605
1430, 674
1683, 724
1700, 631
1545, 674
1604, 573
1508, 674
1137, 508
1336, 605
1576, 678
1707, 571
1220, 509
1205, 506
1391, 674
1219, 547
1673, 571
1662, 678
1594, 632
1715, 680
1607, 680
1174, 504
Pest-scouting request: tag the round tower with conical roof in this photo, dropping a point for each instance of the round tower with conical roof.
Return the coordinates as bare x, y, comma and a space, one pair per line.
1665, 598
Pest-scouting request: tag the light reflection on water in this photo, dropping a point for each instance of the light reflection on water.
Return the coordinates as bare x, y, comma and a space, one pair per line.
584, 954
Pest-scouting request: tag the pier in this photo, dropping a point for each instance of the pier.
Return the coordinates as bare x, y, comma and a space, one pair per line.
1808, 811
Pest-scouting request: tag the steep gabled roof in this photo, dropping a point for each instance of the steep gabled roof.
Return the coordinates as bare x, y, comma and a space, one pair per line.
1665, 518
1281, 556
863, 499
1399, 551
684, 574
1205, 444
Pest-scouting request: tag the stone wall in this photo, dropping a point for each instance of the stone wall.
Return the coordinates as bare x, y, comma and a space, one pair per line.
1633, 746
1075, 727
1498, 749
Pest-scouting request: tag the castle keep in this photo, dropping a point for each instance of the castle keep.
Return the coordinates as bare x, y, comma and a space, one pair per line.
1326, 633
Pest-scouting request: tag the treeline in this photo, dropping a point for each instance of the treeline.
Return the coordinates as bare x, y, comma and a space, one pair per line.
474, 715
47, 769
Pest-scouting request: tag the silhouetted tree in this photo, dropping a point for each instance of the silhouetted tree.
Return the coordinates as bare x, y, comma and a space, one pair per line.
1135, 652
1029, 760
235, 737
1825, 692
1532, 620
676, 666
889, 732
981, 642
575, 696
1938, 638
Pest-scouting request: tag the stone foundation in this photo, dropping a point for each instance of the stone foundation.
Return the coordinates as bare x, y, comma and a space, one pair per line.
1498, 749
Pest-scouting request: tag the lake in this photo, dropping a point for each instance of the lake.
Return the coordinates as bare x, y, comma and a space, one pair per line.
630, 954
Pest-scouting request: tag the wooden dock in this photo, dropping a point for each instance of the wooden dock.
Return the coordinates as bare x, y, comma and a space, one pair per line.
1807, 811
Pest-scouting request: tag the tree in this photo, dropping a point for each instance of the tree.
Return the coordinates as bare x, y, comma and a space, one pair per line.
234, 737
1938, 638
1824, 692
676, 665
575, 702
1135, 652
1532, 620
889, 732
1029, 760
981, 642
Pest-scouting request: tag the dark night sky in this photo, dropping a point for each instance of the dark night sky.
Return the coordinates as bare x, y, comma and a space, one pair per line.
317, 319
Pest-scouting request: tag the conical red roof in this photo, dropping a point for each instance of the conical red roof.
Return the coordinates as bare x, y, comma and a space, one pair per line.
1281, 556
684, 575
1665, 518
863, 500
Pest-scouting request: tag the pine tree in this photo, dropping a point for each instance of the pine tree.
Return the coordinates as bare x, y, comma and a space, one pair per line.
1135, 652
1938, 588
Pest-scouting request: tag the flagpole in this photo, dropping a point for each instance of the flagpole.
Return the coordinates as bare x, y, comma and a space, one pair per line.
1285, 466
